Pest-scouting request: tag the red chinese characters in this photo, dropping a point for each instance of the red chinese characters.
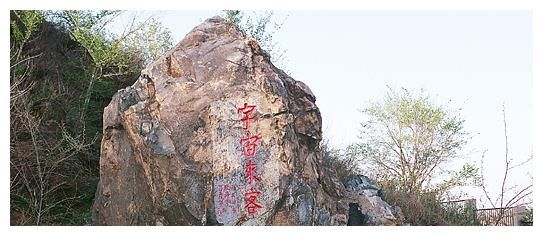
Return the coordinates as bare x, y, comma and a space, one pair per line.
246, 110
249, 145
250, 203
227, 200
250, 172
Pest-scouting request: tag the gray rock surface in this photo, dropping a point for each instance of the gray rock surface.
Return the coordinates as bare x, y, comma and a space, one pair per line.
363, 185
176, 150
370, 203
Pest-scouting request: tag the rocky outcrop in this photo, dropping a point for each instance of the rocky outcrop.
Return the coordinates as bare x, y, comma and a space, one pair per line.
366, 197
213, 134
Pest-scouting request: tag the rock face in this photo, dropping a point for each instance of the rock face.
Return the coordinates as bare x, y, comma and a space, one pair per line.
213, 134
369, 202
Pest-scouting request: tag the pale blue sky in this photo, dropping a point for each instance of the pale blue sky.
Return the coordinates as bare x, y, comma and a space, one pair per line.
477, 59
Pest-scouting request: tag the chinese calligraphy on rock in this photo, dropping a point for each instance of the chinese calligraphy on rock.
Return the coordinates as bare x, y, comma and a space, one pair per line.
249, 146
227, 200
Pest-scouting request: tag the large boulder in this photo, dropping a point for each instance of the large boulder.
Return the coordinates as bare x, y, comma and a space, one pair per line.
213, 134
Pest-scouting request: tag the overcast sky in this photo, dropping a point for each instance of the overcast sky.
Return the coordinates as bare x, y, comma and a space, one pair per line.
479, 60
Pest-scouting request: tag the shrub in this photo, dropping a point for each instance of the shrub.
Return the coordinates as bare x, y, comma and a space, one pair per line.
343, 162
64, 69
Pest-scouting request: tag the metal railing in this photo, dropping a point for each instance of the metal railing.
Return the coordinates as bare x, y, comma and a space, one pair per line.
497, 216
509, 216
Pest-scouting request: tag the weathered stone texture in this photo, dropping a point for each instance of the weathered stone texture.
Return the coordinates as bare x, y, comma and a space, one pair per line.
172, 142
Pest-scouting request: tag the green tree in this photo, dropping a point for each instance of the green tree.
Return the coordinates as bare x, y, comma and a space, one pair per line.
64, 68
151, 39
407, 139
22, 25
262, 27
113, 56
44, 165
406, 142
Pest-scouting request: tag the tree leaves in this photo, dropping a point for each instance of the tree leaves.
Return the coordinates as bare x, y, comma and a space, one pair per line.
262, 28
407, 138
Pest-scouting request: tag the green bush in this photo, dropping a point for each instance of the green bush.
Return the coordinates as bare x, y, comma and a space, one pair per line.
64, 69
343, 162
528, 218
426, 208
